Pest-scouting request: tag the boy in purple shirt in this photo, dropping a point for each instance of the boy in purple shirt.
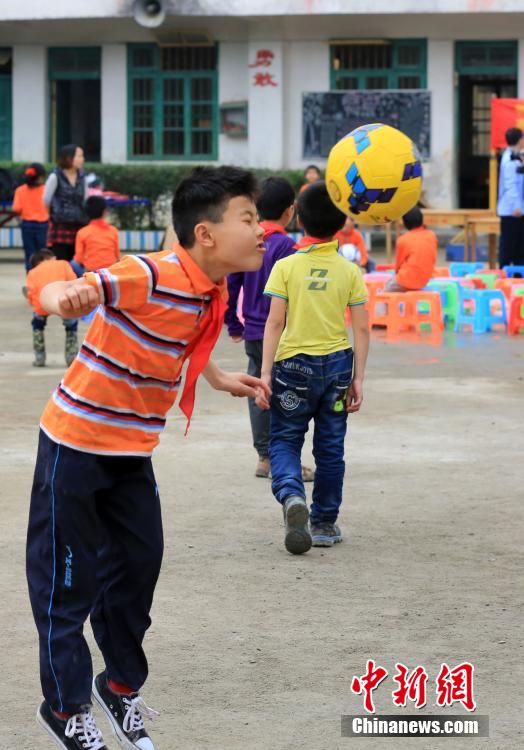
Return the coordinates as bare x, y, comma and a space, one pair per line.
276, 207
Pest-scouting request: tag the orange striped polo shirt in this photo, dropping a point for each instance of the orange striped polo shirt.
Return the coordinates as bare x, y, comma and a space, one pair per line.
114, 398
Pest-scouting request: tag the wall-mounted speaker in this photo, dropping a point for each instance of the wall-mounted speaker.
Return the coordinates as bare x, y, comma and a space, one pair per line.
149, 13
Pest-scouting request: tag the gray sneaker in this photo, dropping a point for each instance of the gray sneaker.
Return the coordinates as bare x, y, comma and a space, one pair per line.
325, 534
296, 515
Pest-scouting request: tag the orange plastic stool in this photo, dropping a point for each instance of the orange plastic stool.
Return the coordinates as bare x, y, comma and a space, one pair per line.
397, 315
374, 287
433, 317
439, 271
516, 315
507, 285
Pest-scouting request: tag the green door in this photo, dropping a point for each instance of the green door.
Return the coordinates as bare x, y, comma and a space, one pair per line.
5, 118
75, 107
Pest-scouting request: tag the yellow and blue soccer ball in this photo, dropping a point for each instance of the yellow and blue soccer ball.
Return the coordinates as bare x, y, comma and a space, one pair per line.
374, 174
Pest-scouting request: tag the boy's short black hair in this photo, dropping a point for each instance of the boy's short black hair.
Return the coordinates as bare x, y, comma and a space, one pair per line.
413, 219
317, 213
40, 256
513, 136
276, 195
204, 195
95, 207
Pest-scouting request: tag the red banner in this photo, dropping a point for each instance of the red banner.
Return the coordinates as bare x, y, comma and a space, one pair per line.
505, 113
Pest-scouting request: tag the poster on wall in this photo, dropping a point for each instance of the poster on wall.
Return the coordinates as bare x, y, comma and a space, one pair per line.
328, 116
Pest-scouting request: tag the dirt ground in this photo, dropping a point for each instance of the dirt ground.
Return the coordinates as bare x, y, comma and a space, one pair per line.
254, 649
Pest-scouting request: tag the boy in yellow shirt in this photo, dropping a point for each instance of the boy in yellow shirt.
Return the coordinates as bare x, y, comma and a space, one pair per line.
313, 371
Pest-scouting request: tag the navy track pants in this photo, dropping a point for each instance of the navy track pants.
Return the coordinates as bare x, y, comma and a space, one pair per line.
94, 548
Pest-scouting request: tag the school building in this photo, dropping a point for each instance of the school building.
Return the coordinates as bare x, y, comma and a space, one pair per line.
224, 80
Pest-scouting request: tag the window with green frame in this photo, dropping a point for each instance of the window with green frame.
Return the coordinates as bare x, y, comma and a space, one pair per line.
378, 64
6, 125
172, 102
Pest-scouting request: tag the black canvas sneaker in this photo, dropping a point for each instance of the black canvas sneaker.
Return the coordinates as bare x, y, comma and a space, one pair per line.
79, 732
126, 714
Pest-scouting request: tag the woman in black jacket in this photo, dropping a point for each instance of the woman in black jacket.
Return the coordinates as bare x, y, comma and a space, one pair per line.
65, 194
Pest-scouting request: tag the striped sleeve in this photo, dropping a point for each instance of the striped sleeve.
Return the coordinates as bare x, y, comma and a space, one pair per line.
358, 293
126, 285
276, 284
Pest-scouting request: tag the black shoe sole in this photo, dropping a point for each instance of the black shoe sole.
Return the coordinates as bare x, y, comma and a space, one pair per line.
298, 538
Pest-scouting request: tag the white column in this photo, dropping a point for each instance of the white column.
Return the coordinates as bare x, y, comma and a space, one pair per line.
30, 92
520, 70
440, 173
114, 103
233, 86
266, 110
307, 69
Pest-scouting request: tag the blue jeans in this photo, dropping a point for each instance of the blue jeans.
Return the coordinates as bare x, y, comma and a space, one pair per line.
310, 387
34, 238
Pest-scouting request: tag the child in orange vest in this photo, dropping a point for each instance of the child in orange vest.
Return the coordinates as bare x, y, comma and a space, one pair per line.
28, 202
416, 255
349, 235
96, 245
45, 268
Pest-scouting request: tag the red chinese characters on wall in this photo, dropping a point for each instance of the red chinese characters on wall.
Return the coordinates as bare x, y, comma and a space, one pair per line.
264, 59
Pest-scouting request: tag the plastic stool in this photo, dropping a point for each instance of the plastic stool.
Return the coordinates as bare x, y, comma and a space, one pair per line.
511, 271
482, 319
397, 314
462, 269
441, 271
499, 272
374, 287
449, 298
424, 308
507, 285
516, 314
479, 282
488, 277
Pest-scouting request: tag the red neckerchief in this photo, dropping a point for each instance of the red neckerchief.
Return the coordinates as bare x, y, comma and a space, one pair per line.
306, 241
210, 327
271, 227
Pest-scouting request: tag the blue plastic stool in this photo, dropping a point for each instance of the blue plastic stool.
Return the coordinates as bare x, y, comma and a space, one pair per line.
487, 296
512, 271
482, 319
461, 269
